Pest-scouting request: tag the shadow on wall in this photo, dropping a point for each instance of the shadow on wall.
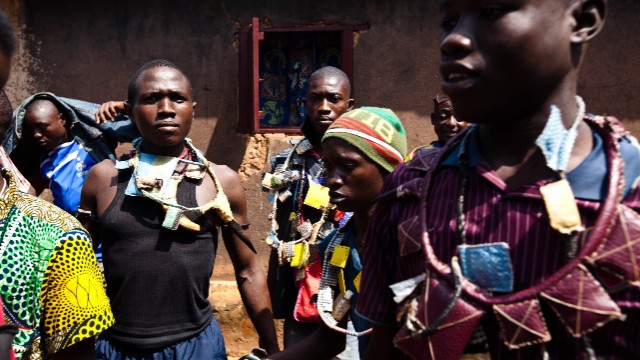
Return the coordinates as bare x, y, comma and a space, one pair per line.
227, 147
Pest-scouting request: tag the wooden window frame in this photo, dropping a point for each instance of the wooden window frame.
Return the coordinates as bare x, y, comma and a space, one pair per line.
249, 38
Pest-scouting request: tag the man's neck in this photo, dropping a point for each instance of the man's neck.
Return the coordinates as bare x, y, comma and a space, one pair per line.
361, 219
316, 141
510, 146
173, 151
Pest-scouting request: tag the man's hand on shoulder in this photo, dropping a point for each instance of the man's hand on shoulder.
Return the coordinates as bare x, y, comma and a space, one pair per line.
108, 111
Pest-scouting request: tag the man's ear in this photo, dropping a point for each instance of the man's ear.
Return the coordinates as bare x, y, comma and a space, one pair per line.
63, 119
589, 18
351, 102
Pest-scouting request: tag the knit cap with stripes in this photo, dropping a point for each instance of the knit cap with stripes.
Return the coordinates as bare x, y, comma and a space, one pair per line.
376, 132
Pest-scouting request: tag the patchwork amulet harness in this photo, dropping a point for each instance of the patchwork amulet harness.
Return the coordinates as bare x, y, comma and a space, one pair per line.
288, 182
157, 178
443, 310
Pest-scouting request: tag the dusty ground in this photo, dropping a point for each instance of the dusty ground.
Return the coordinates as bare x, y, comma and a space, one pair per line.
239, 335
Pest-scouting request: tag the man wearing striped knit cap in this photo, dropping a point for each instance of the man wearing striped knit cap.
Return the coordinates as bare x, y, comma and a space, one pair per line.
360, 149
377, 132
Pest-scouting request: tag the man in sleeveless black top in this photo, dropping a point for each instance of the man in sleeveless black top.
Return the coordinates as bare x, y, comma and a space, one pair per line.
158, 271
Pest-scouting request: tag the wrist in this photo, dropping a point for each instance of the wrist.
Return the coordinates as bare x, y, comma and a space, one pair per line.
271, 347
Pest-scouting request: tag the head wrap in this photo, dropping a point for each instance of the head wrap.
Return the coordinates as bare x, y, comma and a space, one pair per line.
439, 100
376, 132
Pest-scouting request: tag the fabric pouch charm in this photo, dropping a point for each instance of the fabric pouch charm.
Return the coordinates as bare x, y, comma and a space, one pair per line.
172, 218
266, 181
300, 252
561, 207
317, 196
272, 238
152, 167
487, 266
288, 251
304, 146
356, 282
283, 196
305, 229
340, 256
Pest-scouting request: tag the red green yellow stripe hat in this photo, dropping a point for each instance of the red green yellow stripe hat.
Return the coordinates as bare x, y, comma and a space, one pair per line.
376, 132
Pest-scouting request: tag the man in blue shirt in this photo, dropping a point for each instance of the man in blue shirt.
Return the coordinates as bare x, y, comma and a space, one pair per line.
65, 162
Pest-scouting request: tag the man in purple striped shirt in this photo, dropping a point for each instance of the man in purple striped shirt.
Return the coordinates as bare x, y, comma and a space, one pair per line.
509, 223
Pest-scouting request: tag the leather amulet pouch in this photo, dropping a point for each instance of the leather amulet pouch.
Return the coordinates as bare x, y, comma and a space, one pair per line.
620, 254
451, 334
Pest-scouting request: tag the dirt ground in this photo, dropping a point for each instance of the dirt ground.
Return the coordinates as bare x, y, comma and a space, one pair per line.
238, 331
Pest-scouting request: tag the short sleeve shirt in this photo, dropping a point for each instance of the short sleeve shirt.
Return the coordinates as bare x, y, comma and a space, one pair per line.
493, 214
67, 167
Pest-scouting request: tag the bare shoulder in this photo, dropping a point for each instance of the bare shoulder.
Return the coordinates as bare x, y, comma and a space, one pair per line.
225, 174
104, 168
229, 179
100, 175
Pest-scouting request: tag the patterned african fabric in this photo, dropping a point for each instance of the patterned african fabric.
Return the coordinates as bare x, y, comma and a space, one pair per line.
493, 214
50, 283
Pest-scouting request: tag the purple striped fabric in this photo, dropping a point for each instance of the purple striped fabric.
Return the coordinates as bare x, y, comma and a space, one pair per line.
517, 218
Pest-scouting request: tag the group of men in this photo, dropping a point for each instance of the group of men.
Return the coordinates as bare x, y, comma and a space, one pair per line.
164, 194
511, 238
519, 219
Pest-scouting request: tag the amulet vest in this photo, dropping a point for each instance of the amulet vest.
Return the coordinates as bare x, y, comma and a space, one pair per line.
158, 279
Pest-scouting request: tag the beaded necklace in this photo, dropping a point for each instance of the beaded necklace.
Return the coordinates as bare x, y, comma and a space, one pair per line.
329, 281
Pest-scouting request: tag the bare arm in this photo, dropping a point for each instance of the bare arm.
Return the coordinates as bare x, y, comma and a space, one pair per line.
95, 186
108, 111
249, 273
